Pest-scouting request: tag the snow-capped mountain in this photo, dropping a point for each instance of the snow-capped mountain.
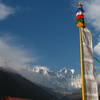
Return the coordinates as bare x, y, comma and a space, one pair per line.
64, 79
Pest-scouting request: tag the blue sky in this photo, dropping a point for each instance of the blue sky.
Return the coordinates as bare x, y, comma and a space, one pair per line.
46, 29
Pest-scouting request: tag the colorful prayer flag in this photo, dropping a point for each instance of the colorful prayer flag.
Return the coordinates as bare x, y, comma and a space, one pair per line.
80, 6
79, 13
97, 60
80, 17
80, 9
80, 24
80, 20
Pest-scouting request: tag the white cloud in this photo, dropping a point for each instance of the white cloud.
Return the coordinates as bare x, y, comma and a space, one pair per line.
98, 79
13, 56
93, 13
97, 49
5, 11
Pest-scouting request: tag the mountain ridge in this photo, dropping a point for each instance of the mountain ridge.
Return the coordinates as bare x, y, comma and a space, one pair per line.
14, 85
63, 78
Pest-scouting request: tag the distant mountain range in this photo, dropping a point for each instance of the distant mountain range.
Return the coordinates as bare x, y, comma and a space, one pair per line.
40, 83
14, 85
64, 79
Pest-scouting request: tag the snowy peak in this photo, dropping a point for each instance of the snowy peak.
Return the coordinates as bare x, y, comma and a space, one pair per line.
65, 73
62, 79
43, 70
64, 70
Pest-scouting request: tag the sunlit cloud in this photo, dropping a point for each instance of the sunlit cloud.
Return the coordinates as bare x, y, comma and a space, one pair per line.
97, 49
13, 56
93, 13
5, 11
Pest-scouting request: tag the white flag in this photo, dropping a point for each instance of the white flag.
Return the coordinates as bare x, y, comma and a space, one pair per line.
91, 90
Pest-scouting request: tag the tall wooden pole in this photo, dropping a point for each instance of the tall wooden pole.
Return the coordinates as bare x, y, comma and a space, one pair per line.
82, 64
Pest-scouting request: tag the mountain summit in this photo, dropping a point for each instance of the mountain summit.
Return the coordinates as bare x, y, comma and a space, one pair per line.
64, 79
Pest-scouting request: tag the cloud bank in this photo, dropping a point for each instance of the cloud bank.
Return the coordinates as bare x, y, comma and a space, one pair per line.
5, 11
13, 56
93, 13
97, 49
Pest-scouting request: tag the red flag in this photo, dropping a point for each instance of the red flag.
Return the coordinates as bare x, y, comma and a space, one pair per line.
79, 7
80, 17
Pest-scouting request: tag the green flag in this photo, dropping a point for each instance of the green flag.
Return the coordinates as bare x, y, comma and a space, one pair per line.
98, 61
80, 20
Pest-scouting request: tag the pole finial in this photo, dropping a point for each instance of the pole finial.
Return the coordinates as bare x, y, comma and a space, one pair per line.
79, 2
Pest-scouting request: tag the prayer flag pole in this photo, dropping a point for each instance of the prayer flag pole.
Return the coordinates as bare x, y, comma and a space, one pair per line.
82, 65
89, 84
